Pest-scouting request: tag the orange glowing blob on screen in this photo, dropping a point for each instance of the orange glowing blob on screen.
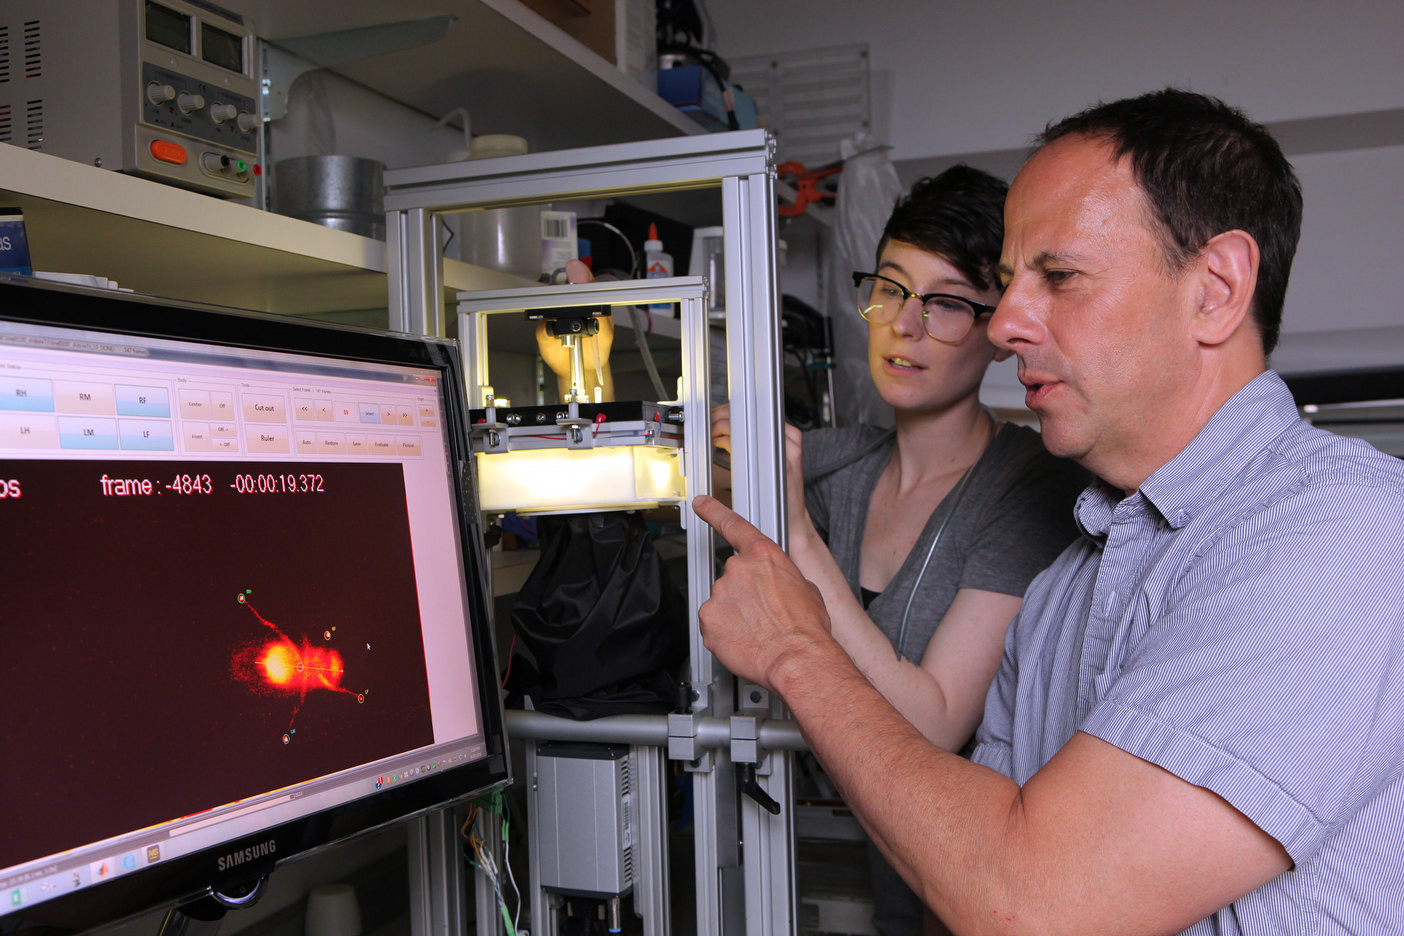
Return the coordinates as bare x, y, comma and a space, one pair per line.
293, 668
283, 667
278, 662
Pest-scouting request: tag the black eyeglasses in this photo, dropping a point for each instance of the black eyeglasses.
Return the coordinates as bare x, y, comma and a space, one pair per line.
947, 318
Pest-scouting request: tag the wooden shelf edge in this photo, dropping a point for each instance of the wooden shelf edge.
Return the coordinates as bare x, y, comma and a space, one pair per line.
40, 175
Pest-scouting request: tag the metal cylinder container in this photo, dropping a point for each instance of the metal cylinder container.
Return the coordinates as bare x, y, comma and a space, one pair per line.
342, 192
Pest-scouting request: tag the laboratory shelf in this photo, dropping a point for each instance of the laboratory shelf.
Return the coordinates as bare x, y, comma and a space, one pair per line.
166, 241
511, 68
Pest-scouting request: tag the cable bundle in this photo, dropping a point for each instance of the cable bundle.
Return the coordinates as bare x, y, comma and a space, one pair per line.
477, 854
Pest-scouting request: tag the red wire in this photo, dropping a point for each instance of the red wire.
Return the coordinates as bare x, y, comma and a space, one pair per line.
508, 671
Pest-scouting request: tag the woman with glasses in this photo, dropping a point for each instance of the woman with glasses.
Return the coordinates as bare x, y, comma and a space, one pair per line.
923, 537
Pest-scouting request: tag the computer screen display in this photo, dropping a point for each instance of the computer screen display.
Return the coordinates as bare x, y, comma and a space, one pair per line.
243, 611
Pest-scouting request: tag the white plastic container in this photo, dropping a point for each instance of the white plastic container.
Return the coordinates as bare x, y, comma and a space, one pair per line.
507, 239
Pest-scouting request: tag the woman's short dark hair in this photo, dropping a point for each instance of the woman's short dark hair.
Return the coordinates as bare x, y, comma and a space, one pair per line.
1206, 169
958, 215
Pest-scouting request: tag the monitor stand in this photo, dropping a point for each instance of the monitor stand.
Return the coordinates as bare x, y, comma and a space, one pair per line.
438, 905
202, 917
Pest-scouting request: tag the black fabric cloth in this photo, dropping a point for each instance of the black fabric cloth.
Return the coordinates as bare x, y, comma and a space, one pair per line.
602, 618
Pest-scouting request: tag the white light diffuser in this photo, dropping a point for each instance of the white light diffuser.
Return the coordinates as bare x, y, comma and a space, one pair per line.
557, 480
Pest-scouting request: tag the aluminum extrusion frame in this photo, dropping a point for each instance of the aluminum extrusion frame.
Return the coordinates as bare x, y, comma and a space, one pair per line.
756, 896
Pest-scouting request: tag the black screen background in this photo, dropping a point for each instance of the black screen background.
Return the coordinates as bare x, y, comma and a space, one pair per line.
120, 625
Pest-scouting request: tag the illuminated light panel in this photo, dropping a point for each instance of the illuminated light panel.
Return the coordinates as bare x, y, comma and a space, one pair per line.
562, 480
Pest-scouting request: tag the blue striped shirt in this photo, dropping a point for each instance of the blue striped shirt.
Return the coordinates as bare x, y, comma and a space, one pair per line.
1238, 621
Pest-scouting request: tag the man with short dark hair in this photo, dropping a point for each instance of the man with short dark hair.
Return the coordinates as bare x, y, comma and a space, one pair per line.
1198, 724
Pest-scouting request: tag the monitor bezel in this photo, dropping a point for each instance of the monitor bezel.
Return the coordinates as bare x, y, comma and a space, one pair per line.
194, 877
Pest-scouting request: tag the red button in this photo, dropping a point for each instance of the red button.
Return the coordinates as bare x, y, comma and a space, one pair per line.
167, 151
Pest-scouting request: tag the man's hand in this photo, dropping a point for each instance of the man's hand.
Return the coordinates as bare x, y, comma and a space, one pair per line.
762, 608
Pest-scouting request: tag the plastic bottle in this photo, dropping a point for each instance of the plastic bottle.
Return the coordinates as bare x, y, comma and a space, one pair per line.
657, 263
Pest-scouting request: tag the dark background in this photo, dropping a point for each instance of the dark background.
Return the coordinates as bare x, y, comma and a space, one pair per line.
120, 625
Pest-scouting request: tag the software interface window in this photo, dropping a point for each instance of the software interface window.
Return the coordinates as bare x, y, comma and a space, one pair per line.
243, 596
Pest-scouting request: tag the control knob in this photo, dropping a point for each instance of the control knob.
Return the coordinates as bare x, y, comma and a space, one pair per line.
189, 102
222, 112
159, 94
246, 121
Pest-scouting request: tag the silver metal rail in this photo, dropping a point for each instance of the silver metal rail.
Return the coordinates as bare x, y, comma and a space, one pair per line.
650, 730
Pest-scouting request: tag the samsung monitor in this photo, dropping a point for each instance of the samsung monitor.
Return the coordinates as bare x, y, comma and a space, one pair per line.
243, 611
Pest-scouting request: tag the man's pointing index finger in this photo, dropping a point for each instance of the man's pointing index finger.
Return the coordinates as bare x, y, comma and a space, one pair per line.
728, 523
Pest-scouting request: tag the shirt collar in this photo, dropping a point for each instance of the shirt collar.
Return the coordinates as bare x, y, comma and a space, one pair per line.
1094, 508
1242, 428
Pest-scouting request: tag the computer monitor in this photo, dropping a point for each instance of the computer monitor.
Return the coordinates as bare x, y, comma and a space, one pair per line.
244, 610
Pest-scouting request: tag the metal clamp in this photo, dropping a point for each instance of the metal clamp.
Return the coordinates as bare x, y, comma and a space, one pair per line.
745, 739
685, 741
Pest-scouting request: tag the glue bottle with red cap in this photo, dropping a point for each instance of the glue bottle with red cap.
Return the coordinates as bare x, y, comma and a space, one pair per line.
657, 263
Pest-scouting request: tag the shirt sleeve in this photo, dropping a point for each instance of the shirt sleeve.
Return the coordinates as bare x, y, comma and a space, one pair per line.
815, 446
828, 497
994, 738
1025, 528
1274, 674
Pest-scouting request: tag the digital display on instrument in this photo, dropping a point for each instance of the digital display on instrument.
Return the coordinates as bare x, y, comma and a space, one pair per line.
166, 27
221, 48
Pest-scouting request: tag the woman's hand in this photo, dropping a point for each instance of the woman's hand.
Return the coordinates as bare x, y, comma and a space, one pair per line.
721, 427
800, 524
800, 527
721, 439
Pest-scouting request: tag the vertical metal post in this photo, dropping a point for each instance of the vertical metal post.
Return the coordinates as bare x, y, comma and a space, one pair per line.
717, 845
543, 917
415, 272
486, 916
472, 336
758, 493
437, 886
651, 890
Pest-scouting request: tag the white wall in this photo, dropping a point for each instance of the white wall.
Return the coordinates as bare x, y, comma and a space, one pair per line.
986, 75
328, 114
978, 80
1347, 273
